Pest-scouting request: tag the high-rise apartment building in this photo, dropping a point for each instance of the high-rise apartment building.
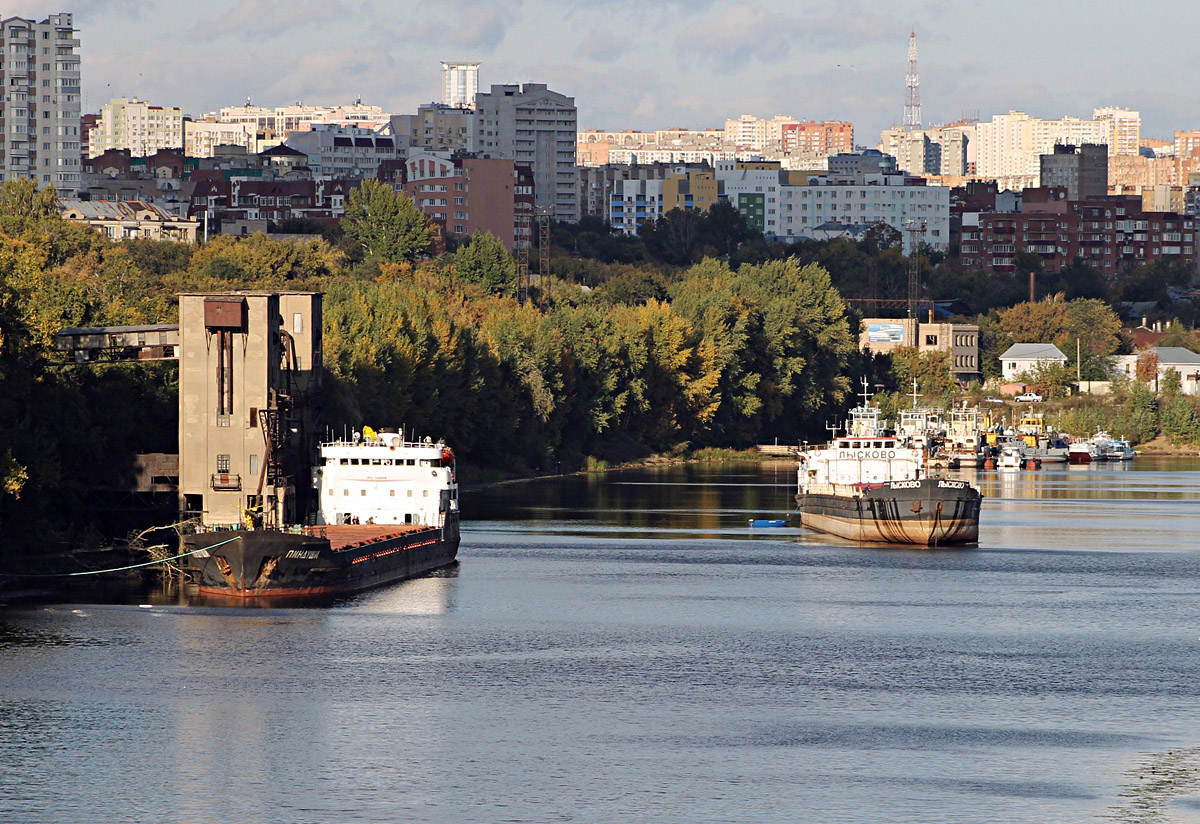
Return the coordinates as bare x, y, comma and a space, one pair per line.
39, 107
537, 128
1010, 146
460, 83
143, 129
1124, 130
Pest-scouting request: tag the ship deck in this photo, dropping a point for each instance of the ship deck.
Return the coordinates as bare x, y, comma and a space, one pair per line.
342, 536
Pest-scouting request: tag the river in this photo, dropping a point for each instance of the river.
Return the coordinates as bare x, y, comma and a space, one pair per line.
622, 647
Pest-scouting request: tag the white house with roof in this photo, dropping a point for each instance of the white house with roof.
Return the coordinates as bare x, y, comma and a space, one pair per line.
1183, 361
1026, 357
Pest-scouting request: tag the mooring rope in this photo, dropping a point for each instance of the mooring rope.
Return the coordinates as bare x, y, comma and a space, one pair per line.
114, 569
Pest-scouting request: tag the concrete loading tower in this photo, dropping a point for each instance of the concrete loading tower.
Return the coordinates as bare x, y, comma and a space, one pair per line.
249, 390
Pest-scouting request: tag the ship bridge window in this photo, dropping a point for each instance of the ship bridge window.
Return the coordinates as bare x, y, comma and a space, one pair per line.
879, 444
377, 462
410, 462
344, 461
410, 493
354, 461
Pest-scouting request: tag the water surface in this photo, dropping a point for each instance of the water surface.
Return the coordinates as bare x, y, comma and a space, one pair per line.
624, 647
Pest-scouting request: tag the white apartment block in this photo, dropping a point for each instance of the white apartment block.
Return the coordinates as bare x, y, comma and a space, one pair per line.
283, 120
753, 189
870, 200
1009, 146
642, 157
343, 152
202, 137
39, 108
460, 83
143, 129
536, 127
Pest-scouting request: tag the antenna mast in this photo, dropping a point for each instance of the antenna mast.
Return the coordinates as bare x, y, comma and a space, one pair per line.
912, 87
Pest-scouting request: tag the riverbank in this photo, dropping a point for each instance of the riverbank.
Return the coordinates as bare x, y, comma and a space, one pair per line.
491, 477
1160, 445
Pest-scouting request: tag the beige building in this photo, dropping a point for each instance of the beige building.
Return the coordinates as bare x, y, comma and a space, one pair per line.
249, 377
130, 219
961, 340
1124, 130
202, 137
143, 129
435, 127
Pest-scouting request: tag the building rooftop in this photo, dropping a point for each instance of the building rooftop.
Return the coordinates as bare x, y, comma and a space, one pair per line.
1175, 354
1033, 351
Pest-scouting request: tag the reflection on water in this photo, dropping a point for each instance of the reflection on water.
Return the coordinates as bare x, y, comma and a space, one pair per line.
625, 647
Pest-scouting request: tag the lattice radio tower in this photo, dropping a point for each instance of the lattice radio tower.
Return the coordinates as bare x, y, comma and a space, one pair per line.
915, 227
543, 220
525, 241
912, 87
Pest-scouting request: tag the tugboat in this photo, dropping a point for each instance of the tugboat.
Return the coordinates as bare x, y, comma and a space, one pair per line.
869, 485
386, 510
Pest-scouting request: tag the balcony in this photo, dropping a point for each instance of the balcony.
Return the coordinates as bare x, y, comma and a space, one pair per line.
224, 482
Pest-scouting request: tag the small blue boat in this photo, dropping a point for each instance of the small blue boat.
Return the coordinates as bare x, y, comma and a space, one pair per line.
757, 522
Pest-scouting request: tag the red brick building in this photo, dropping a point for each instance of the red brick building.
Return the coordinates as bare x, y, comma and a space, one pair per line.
1111, 234
825, 137
464, 194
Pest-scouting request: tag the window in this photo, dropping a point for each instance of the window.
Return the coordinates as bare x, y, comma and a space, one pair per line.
222, 464
254, 466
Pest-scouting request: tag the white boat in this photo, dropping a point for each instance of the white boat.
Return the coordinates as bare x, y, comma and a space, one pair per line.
1010, 457
1100, 442
1082, 452
1120, 450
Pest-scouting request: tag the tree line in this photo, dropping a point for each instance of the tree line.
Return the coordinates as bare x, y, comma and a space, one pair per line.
717, 356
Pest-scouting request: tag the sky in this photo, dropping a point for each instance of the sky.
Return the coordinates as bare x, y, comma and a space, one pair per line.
648, 64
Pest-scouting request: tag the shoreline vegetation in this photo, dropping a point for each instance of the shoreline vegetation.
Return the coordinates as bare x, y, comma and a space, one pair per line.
693, 343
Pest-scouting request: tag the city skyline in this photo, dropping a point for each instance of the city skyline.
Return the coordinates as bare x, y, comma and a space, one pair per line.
629, 67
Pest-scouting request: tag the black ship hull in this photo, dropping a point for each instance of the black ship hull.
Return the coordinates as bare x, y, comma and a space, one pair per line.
928, 512
318, 562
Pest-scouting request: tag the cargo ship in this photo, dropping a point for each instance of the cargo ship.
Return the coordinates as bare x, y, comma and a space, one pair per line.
872, 486
383, 509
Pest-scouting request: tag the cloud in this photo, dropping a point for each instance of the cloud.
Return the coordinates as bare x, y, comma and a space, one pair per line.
479, 27
602, 44
743, 32
81, 10
257, 19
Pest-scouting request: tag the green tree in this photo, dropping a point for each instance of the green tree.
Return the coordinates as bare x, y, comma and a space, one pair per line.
386, 224
933, 371
23, 205
485, 262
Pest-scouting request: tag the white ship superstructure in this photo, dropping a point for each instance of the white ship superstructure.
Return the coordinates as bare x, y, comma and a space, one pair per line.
379, 478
